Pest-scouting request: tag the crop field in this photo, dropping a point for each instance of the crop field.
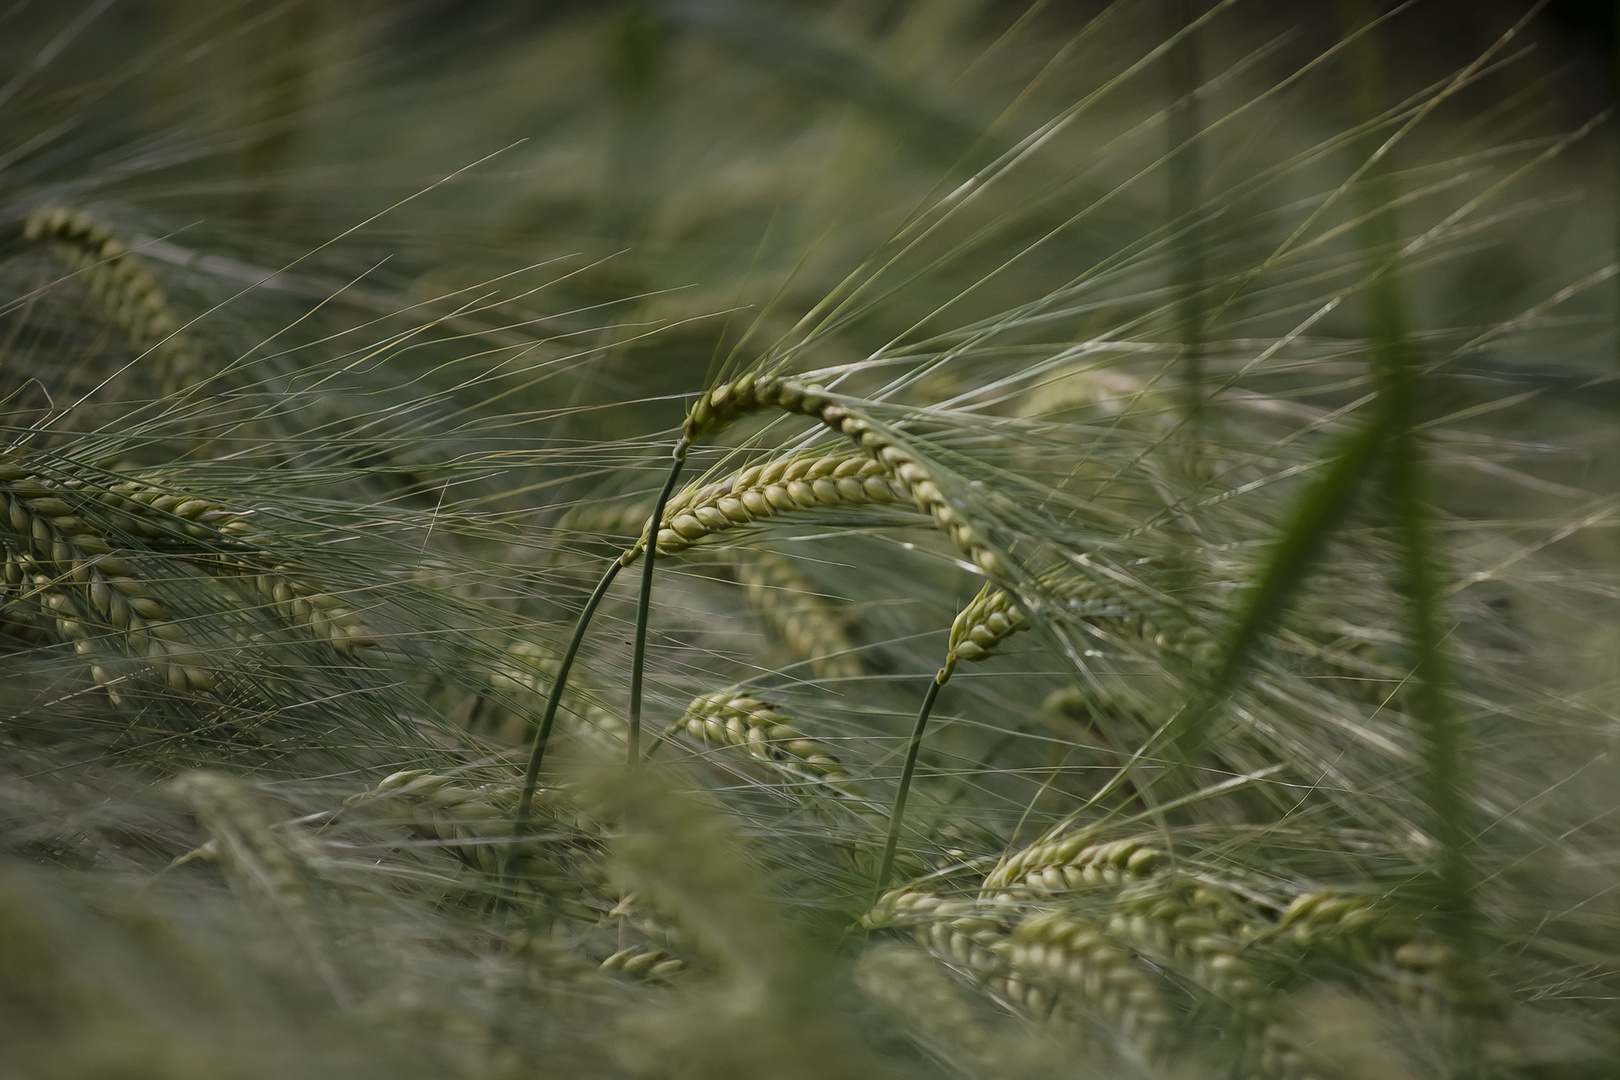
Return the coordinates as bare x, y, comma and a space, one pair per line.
809, 539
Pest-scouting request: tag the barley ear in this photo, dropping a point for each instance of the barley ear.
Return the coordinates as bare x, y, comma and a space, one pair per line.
127, 292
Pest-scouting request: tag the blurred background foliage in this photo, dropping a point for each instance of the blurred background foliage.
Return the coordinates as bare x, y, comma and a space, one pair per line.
420, 290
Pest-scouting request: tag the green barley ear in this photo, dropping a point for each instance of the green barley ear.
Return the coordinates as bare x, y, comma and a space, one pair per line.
912, 985
128, 294
732, 718
809, 624
828, 480
264, 862
767, 1009
723, 405
242, 552
53, 553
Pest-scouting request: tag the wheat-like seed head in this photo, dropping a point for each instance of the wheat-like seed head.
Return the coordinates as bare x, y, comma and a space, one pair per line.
472, 821
1205, 931
128, 293
971, 934
808, 482
149, 512
85, 583
1074, 956
809, 624
1073, 863
730, 401
993, 616
914, 985
755, 725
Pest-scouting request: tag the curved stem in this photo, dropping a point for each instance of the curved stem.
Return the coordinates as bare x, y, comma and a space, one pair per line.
644, 603
537, 753
910, 766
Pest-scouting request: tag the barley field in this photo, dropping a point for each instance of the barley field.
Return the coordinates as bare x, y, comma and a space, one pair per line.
814, 539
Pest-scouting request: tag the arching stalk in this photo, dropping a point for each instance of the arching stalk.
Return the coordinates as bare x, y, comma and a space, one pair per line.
912, 748
644, 603
542, 734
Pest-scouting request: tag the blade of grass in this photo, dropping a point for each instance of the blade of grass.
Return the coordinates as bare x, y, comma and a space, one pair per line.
1315, 514
1397, 362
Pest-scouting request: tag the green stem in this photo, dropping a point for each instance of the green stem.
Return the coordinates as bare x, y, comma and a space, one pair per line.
899, 812
542, 734
638, 661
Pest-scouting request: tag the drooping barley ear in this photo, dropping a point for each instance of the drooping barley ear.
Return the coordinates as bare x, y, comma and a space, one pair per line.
1354, 927
1206, 932
529, 671
809, 624
969, 934
752, 393
130, 296
911, 984
826, 480
1077, 960
993, 616
1072, 863
242, 551
472, 822
729, 718
1421, 968
85, 584
255, 855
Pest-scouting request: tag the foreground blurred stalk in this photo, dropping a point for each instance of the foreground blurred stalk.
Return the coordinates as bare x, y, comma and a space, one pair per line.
1397, 365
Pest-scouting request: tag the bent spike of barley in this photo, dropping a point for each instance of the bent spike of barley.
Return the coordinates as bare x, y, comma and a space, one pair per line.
153, 513
809, 625
992, 617
970, 934
1035, 959
471, 821
755, 725
1072, 864
822, 481
45, 530
1070, 955
752, 393
255, 853
912, 984
127, 292
531, 669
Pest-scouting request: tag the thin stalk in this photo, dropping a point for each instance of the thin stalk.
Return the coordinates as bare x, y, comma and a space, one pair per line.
912, 748
638, 661
542, 734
